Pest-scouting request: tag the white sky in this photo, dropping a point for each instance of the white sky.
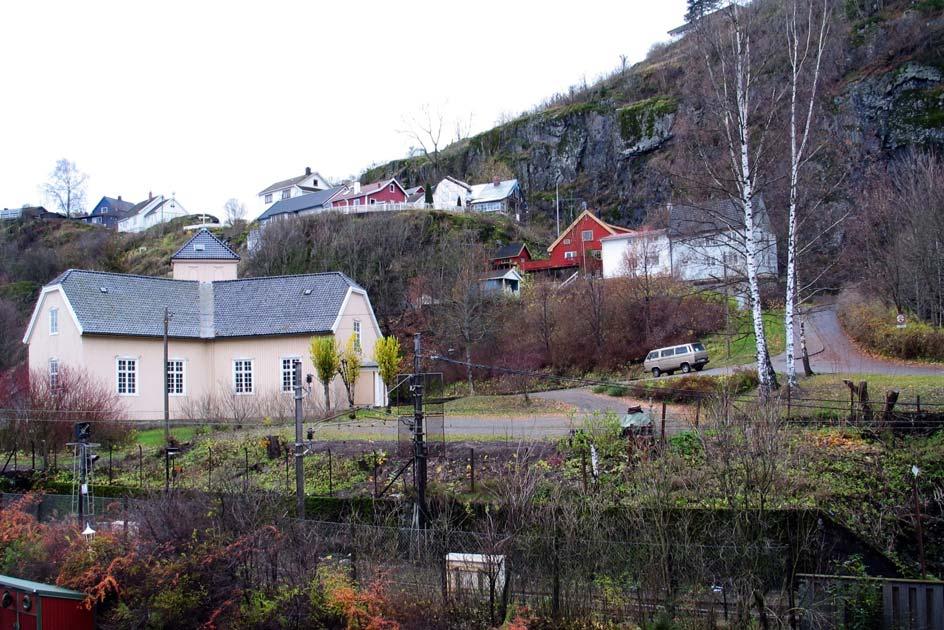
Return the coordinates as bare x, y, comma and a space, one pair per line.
214, 100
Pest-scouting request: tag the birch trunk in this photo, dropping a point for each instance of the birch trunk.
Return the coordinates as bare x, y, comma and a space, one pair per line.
798, 53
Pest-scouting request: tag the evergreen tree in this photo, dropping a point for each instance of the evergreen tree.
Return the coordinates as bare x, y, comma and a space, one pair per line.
700, 8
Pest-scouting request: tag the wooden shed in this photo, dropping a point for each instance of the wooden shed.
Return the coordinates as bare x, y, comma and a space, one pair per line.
26, 605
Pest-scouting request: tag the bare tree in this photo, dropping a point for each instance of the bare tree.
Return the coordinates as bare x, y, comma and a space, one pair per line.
66, 188
802, 45
641, 263
234, 211
726, 46
426, 127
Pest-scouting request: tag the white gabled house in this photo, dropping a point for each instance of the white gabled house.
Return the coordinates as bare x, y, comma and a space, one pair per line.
451, 193
309, 182
702, 244
150, 212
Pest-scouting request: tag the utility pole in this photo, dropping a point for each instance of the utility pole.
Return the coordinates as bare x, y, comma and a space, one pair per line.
557, 203
299, 446
167, 317
419, 439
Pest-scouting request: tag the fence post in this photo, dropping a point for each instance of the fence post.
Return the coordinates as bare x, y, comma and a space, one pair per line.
918, 403
375, 474
140, 466
330, 480
33, 455
663, 423
45, 457
697, 411
472, 470
209, 469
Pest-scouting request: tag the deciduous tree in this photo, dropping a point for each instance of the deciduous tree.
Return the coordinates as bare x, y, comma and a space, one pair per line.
66, 188
388, 356
349, 368
327, 361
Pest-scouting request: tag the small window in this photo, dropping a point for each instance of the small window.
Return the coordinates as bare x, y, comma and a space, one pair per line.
681, 350
392, 188
175, 377
570, 255
287, 194
653, 355
667, 352
199, 247
373, 201
53, 373
698, 347
127, 377
242, 376
268, 198
357, 335
314, 182
54, 321
289, 382
566, 241
586, 235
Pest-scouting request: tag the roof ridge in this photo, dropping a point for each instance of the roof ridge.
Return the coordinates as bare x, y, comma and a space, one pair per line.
292, 275
68, 272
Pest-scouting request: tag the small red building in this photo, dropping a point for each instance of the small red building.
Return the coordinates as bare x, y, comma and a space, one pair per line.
578, 246
26, 605
384, 192
510, 255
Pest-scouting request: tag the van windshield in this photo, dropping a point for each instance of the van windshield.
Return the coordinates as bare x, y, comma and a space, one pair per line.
698, 347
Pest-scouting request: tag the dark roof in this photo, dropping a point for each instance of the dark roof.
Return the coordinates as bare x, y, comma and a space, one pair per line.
291, 181
302, 202
369, 189
205, 246
39, 588
133, 305
713, 215
119, 207
508, 251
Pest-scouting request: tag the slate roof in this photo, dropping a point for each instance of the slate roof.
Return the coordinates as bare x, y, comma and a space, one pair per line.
511, 250
300, 203
285, 183
133, 305
713, 215
485, 193
119, 207
204, 245
368, 189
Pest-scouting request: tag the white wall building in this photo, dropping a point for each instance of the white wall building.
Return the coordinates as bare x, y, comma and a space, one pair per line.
451, 193
153, 211
309, 182
701, 244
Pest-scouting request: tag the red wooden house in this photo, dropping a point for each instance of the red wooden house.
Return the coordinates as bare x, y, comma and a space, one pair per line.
510, 255
27, 605
383, 192
578, 247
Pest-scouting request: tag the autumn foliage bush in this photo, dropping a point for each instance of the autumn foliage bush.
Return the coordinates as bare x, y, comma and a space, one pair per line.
875, 328
688, 389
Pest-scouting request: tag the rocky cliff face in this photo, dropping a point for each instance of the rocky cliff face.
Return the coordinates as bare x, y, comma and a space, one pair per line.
618, 148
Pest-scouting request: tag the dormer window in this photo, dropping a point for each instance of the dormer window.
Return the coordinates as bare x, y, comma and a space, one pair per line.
199, 247
287, 193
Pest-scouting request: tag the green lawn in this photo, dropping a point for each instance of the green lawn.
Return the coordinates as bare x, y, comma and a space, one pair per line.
742, 339
155, 437
509, 405
831, 387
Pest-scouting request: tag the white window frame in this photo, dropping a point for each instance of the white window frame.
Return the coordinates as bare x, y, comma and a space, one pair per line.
287, 193
392, 189
291, 372
570, 255
252, 377
586, 235
566, 241
53, 373
268, 198
135, 372
183, 377
356, 329
54, 321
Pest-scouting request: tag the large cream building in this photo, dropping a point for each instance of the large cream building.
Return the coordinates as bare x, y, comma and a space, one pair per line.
232, 341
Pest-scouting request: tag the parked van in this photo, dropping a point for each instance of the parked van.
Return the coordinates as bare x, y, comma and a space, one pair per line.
687, 357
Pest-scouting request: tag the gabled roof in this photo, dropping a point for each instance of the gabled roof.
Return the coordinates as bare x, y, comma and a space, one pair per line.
498, 274
128, 305
457, 182
293, 205
369, 189
487, 193
38, 588
291, 181
713, 215
119, 207
511, 250
204, 245
612, 229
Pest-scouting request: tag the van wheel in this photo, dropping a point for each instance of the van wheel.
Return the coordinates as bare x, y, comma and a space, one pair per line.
699, 367
686, 368
656, 372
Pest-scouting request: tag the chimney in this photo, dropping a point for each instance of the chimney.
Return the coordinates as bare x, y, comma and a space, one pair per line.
150, 195
496, 180
307, 171
119, 197
356, 186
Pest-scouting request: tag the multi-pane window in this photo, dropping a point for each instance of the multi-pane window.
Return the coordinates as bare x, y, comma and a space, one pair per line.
570, 255
54, 321
242, 376
287, 194
53, 373
357, 335
586, 235
288, 374
127, 377
268, 198
175, 377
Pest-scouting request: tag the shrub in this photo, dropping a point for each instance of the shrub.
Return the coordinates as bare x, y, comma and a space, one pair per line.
874, 327
693, 387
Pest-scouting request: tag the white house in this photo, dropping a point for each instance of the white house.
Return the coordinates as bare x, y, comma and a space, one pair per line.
497, 196
451, 193
701, 243
151, 212
310, 182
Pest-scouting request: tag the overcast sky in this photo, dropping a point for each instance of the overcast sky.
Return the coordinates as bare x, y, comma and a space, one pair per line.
216, 100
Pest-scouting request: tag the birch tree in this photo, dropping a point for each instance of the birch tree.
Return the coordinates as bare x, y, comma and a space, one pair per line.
733, 82
66, 188
805, 54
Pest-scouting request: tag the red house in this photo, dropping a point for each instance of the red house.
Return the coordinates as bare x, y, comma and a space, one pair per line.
511, 255
384, 192
31, 605
578, 246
